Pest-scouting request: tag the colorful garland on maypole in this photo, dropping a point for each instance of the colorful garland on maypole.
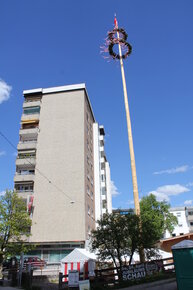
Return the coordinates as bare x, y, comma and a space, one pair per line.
120, 40
117, 36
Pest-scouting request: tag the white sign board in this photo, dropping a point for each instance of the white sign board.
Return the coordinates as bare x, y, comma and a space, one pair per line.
84, 285
73, 278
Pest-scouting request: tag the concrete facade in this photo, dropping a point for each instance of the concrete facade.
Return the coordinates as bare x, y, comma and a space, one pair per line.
182, 227
55, 167
103, 198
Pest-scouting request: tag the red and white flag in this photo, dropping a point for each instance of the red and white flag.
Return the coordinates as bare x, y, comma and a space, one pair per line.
115, 22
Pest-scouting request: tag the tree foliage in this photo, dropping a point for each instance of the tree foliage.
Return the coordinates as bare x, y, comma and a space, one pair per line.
14, 224
119, 236
116, 237
155, 219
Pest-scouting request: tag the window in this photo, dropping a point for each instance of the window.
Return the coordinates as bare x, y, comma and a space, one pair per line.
181, 234
104, 204
30, 125
190, 213
92, 213
88, 191
31, 110
180, 225
102, 177
103, 165
88, 210
178, 214
26, 187
173, 235
103, 191
26, 155
191, 223
91, 194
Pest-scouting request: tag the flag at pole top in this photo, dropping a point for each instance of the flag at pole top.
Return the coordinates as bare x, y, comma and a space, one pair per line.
115, 22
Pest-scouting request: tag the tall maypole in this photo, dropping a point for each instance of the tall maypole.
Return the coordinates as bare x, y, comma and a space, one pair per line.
119, 36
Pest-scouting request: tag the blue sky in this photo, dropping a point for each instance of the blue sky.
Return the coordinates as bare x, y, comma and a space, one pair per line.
52, 43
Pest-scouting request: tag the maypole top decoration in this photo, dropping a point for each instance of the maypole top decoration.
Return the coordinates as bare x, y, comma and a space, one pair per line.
118, 36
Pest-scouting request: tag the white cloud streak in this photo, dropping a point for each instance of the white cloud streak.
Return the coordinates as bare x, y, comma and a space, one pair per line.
166, 191
188, 202
2, 153
114, 190
189, 184
179, 169
5, 91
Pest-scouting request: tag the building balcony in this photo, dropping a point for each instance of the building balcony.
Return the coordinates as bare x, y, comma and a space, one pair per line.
28, 144
29, 117
103, 184
101, 138
24, 194
102, 148
102, 159
104, 197
31, 103
31, 133
24, 177
190, 218
25, 161
104, 210
102, 172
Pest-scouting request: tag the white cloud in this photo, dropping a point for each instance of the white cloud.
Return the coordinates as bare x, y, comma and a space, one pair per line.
189, 184
114, 190
2, 192
2, 153
179, 169
5, 91
164, 192
188, 202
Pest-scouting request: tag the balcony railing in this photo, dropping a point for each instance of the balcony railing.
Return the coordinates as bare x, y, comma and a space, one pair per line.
32, 103
24, 191
25, 173
25, 161
24, 178
28, 144
29, 132
26, 156
28, 141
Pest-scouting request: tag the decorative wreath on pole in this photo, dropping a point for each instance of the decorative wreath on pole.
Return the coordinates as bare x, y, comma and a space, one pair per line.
120, 40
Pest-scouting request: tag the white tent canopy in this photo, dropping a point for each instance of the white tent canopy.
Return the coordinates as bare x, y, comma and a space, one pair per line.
78, 255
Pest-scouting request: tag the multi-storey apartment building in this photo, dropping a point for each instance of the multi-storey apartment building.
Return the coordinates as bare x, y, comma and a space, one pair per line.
189, 215
56, 169
182, 227
102, 174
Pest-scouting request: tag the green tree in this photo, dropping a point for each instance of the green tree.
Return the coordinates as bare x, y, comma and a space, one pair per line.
116, 237
14, 225
155, 220
119, 236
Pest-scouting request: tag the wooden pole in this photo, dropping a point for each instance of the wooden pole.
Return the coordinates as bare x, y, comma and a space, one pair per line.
131, 148
132, 155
